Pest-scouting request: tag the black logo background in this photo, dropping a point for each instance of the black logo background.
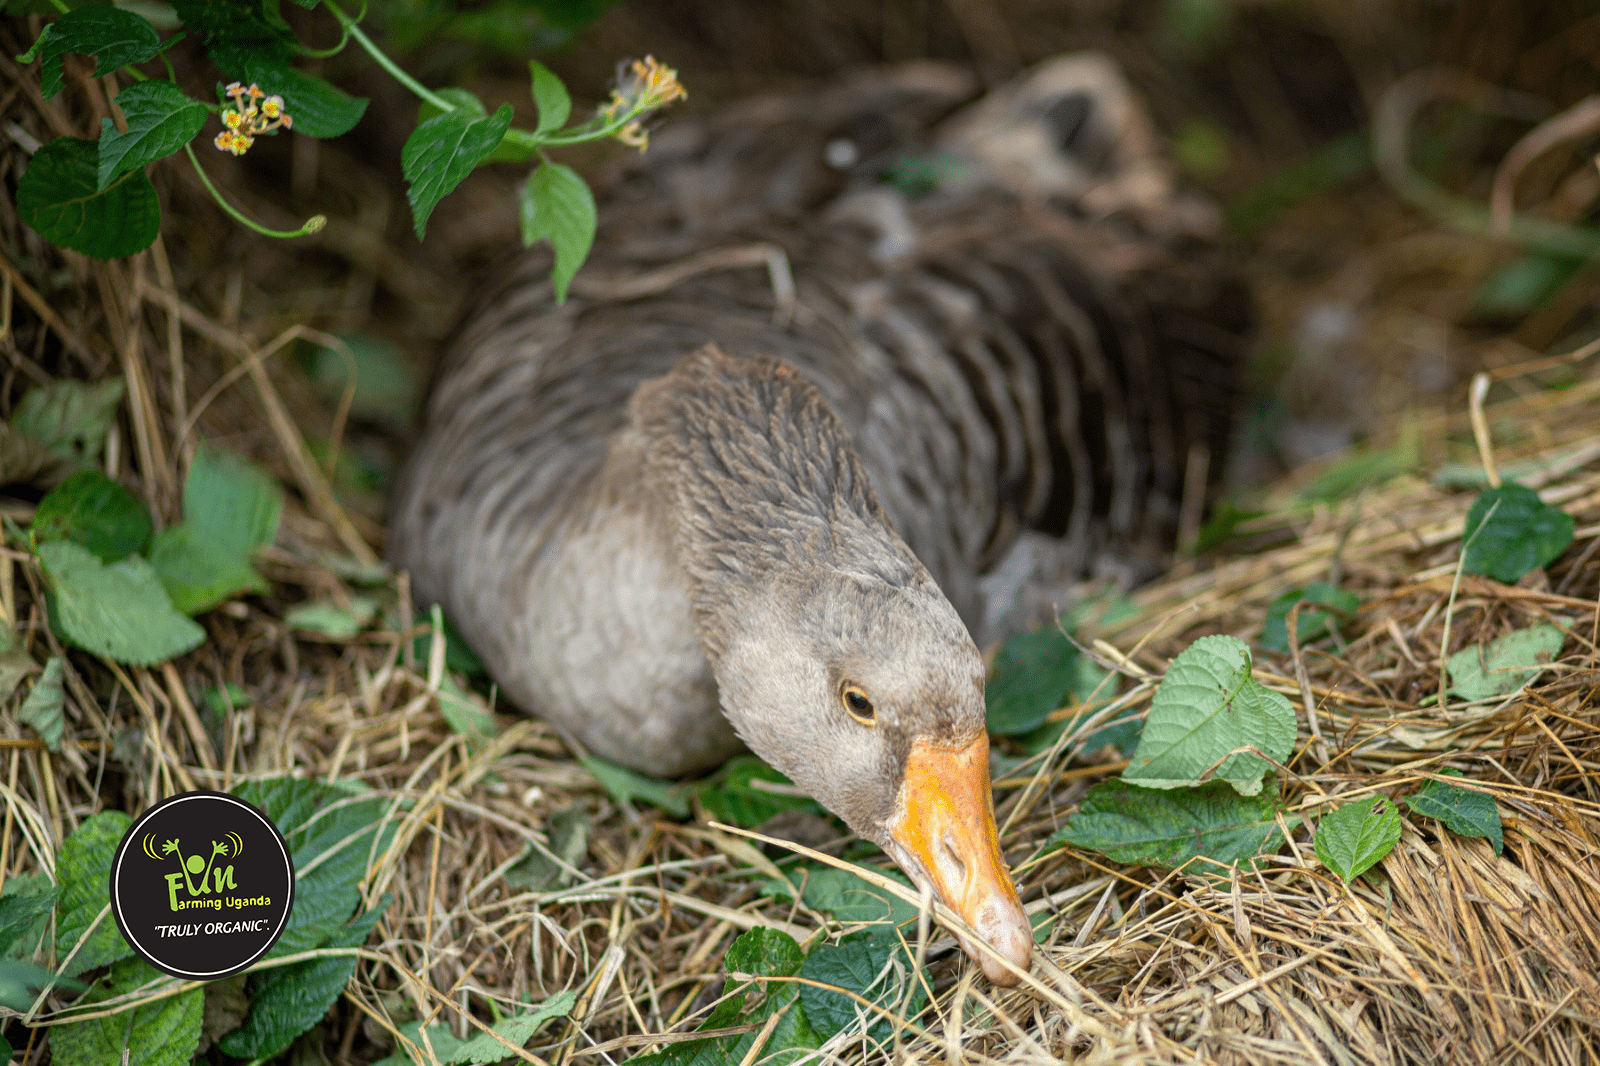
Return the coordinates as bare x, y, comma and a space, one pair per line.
141, 896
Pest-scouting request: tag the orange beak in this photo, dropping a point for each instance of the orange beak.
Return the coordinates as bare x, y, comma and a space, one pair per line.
945, 837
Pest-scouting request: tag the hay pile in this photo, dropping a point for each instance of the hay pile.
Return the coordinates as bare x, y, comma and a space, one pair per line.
1447, 953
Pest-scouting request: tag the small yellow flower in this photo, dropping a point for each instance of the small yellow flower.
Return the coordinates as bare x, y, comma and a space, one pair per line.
232, 119
234, 89
246, 120
272, 106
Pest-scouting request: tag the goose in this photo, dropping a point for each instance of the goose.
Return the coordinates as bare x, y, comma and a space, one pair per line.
806, 424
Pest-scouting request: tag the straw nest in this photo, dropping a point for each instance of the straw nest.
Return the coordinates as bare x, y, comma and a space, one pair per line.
1449, 954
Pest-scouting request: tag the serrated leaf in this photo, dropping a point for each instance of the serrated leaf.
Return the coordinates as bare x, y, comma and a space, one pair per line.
332, 620
1505, 664
231, 502
442, 151
24, 909
845, 895
1173, 827
198, 573
568, 832
555, 204
70, 418
555, 105
1354, 837
317, 108
461, 99
1206, 707
1523, 534
113, 36
119, 611
517, 1031
285, 1001
59, 198
1465, 812
440, 1042
161, 120
94, 512
83, 870
736, 797
161, 1032
1033, 675
875, 968
332, 833
43, 708
626, 785
1313, 623
235, 32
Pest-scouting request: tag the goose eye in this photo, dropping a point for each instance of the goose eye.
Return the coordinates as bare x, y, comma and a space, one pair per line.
857, 703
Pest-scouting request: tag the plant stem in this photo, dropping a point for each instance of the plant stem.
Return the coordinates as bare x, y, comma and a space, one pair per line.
313, 224
384, 61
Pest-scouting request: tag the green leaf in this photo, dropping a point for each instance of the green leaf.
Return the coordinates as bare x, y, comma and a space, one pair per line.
161, 120
198, 573
875, 968
735, 796
1524, 284
113, 36
516, 1030
231, 502
1351, 839
332, 833
556, 204
440, 1042
458, 654
1505, 664
332, 620
465, 714
382, 383
70, 418
568, 832
1313, 623
1206, 707
761, 952
94, 512
285, 1001
442, 151
15, 662
1523, 533
1173, 827
59, 198
1033, 675
626, 785
462, 99
1465, 812
236, 32
43, 708
1362, 470
317, 108
83, 870
162, 1032
25, 461
20, 982
24, 909
551, 97
845, 895
119, 611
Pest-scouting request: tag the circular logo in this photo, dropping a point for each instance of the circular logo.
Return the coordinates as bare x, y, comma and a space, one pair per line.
202, 885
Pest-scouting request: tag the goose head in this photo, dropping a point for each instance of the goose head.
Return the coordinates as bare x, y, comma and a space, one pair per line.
837, 658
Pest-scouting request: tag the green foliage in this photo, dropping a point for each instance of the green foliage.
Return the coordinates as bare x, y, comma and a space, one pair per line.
516, 1030
1504, 665
540, 871
20, 982
442, 151
626, 785
95, 512
332, 620
161, 120
1033, 675
119, 611
1354, 837
735, 795
550, 96
319, 109
160, 1032
875, 968
1464, 811
1207, 708
382, 383
1521, 534
439, 1041
69, 419
555, 204
1525, 284
60, 198
1313, 623
1173, 828
83, 870
24, 913
230, 509
43, 708
844, 895
113, 36
458, 654
1324, 168
465, 715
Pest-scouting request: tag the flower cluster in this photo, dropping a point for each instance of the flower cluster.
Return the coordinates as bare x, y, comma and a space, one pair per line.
253, 113
645, 87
